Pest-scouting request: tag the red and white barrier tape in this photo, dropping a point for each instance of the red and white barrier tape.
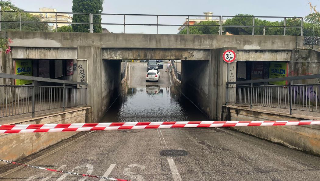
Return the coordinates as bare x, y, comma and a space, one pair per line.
31, 128
59, 171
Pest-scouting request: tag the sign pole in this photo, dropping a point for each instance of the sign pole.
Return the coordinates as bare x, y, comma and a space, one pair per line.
228, 56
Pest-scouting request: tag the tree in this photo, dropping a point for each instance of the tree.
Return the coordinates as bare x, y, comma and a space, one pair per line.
264, 26
239, 20
314, 16
14, 13
312, 27
87, 7
207, 27
65, 29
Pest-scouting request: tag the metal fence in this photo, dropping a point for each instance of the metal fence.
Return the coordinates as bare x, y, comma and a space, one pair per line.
312, 40
37, 98
129, 20
300, 97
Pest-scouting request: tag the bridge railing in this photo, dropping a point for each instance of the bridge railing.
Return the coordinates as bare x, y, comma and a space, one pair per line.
120, 23
289, 97
38, 95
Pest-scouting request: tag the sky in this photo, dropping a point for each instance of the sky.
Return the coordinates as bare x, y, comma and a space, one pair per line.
299, 8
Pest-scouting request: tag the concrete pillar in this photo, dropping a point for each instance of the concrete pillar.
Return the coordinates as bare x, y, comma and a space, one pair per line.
220, 73
94, 62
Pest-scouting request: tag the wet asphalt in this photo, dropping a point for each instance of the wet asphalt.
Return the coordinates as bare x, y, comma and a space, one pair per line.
168, 154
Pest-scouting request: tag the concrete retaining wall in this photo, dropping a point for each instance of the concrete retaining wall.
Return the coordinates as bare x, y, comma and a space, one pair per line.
304, 138
196, 83
125, 81
17, 146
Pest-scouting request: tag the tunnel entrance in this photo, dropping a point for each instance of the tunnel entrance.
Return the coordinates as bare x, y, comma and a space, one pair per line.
202, 76
151, 101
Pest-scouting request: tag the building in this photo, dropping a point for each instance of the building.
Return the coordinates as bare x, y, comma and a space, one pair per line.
208, 16
51, 15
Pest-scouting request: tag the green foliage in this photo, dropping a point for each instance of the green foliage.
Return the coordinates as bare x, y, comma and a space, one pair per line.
87, 6
14, 15
4, 45
313, 18
240, 21
65, 29
270, 27
207, 27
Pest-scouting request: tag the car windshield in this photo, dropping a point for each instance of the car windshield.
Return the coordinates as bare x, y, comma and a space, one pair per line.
152, 63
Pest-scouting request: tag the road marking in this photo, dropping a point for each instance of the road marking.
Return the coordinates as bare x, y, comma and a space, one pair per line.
60, 168
108, 171
89, 167
34, 177
132, 175
175, 174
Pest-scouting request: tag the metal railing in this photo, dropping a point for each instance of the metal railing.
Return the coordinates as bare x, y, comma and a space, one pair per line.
157, 21
299, 97
37, 98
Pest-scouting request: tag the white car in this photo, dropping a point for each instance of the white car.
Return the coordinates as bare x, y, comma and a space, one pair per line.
153, 75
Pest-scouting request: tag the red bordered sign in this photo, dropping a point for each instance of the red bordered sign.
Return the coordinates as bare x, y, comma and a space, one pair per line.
229, 56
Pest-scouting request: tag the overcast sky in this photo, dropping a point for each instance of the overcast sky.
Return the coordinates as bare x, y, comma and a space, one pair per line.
182, 7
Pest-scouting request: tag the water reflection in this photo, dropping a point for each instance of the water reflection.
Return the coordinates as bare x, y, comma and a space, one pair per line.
152, 103
153, 89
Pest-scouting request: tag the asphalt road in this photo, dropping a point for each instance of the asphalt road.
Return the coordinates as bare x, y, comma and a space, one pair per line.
172, 154
138, 73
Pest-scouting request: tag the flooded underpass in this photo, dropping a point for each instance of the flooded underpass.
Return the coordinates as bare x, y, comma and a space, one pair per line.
153, 103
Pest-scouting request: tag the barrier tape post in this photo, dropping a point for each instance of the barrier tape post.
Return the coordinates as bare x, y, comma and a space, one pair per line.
59, 171
36, 128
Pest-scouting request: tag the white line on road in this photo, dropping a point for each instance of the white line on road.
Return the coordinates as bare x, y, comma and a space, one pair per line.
108, 171
175, 174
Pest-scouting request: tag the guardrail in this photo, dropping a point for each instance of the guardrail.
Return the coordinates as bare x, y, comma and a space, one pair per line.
36, 98
157, 18
303, 97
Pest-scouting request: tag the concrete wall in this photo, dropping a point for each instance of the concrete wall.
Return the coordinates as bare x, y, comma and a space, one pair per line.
204, 82
265, 55
305, 138
305, 62
103, 79
44, 53
195, 83
111, 88
16, 146
125, 80
161, 54
110, 40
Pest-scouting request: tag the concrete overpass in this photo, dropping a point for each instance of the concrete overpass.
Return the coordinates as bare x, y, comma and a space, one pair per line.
203, 71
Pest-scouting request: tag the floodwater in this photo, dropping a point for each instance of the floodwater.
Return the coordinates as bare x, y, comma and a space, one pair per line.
152, 103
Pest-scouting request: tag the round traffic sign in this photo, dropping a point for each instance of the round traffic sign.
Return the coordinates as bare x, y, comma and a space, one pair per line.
229, 56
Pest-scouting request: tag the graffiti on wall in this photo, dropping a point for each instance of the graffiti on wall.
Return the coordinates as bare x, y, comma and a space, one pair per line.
82, 72
304, 94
